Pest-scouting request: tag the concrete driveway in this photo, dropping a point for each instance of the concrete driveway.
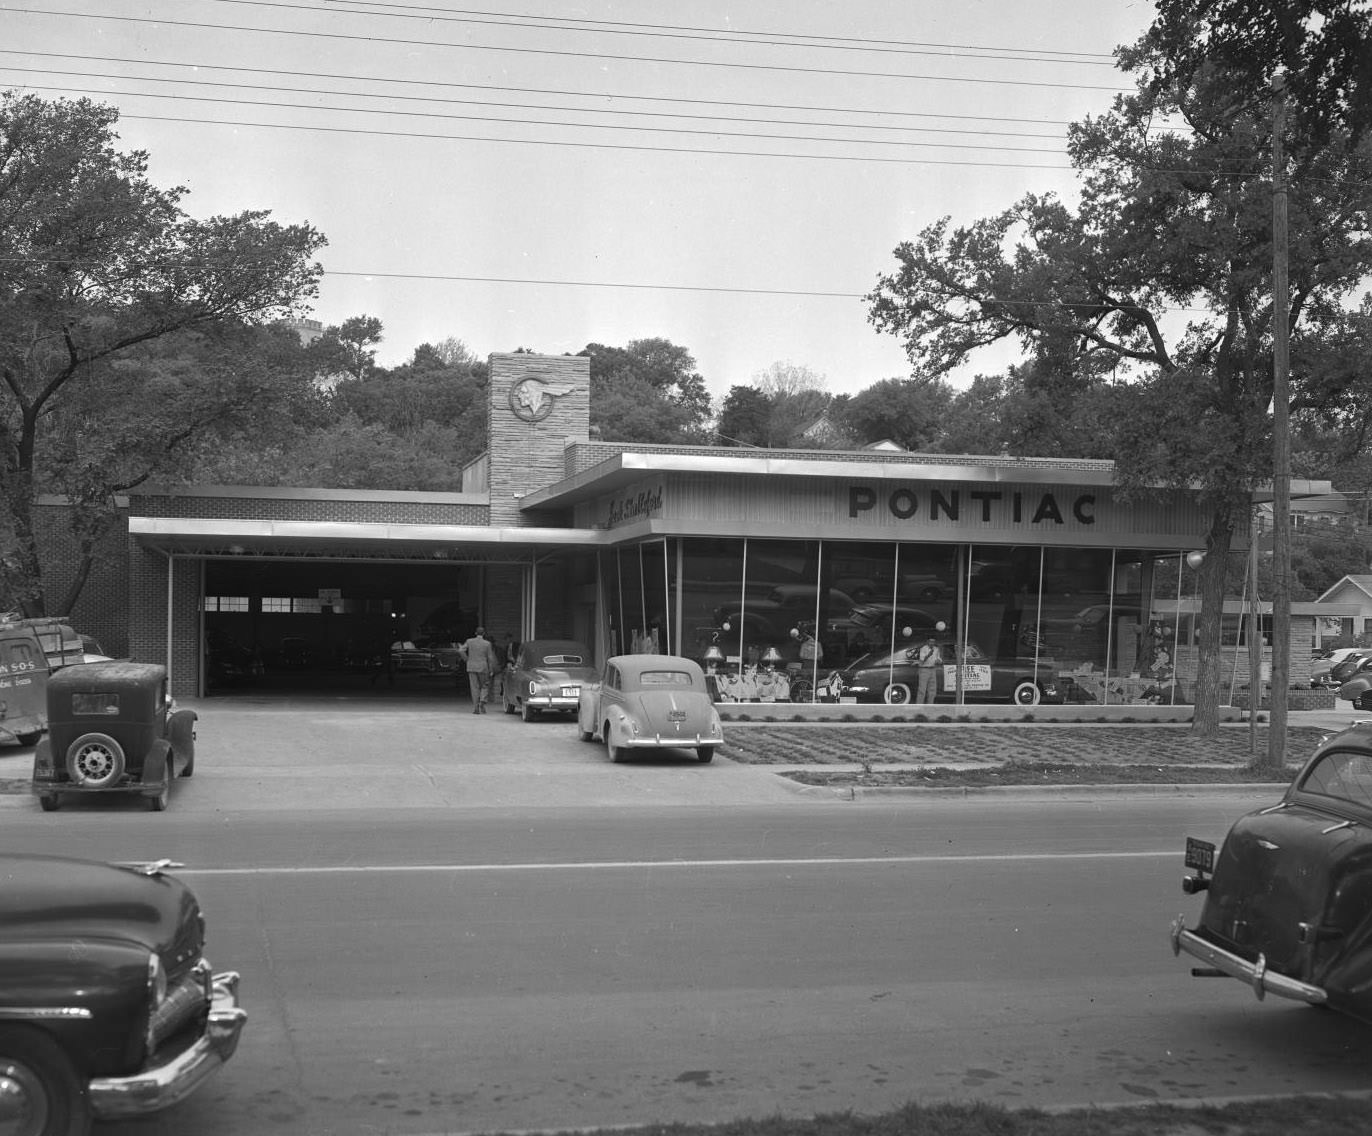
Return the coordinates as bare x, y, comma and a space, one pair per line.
320, 752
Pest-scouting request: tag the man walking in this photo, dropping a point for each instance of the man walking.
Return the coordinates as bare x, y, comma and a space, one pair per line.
479, 655
928, 660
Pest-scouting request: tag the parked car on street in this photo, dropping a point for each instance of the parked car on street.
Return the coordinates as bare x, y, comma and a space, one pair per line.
547, 676
113, 728
893, 677
1358, 689
650, 702
108, 1008
1288, 896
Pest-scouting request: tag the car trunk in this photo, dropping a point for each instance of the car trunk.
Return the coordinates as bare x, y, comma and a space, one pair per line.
674, 712
1279, 869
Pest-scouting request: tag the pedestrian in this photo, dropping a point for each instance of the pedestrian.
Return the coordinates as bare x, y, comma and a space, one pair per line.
928, 659
479, 656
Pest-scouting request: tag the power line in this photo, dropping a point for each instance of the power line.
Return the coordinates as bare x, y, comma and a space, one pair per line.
881, 112
471, 102
670, 31
372, 40
572, 125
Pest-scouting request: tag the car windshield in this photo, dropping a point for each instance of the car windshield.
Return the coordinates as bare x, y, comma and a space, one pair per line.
1343, 774
665, 678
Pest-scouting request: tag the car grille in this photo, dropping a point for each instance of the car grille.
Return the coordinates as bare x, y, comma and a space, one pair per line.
187, 1001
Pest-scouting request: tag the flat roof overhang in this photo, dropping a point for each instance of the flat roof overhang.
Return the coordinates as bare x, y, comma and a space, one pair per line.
354, 540
631, 467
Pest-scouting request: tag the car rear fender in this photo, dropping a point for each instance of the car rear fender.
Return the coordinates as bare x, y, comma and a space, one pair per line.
1294, 886
181, 733
157, 764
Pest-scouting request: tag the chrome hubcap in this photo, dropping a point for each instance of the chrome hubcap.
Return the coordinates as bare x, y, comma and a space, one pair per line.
23, 1104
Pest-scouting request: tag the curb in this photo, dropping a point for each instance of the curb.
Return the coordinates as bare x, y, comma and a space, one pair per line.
1040, 792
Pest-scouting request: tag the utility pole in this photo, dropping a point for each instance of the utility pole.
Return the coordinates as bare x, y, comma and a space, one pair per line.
1281, 440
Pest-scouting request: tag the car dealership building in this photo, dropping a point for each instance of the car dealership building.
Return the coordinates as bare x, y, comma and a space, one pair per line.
730, 554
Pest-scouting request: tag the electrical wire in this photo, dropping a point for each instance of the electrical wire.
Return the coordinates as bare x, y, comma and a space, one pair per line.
396, 41
874, 111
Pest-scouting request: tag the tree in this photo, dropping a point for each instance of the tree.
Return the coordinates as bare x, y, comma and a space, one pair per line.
743, 418
97, 265
909, 412
648, 391
347, 351
1169, 221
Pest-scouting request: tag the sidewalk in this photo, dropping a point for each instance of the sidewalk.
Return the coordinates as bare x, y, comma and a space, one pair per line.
318, 752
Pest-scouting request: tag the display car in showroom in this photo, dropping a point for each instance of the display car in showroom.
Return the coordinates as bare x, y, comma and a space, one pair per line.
893, 677
108, 1007
650, 702
1288, 896
113, 728
547, 676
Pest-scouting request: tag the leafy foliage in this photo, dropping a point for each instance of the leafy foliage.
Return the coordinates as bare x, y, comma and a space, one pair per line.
97, 265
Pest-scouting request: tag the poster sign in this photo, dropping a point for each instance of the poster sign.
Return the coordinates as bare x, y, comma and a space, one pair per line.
975, 676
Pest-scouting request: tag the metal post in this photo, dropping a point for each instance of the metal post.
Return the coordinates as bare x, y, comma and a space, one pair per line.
1281, 441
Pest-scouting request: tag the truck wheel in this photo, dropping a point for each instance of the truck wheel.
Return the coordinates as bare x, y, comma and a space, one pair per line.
38, 1082
49, 802
95, 760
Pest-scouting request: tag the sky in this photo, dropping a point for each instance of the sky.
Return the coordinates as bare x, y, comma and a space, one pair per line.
729, 176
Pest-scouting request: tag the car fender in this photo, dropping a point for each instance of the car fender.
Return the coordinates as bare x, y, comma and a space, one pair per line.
157, 764
1354, 687
181, 734
90, 994
619, 728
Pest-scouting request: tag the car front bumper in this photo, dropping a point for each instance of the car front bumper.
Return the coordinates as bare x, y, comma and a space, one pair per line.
1254, 974
160, 1086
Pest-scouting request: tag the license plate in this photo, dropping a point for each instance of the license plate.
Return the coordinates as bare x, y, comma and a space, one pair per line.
571, 692
1200, 854
676, 716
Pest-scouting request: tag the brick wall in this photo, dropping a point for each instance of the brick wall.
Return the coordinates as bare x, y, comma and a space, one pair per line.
416, 509
101, 609
528, 455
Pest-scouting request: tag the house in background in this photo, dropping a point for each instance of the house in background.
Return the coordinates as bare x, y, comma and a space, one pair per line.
1353, 592
1334, 507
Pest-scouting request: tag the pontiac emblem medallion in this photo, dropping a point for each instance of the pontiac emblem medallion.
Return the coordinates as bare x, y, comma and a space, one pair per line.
532, 399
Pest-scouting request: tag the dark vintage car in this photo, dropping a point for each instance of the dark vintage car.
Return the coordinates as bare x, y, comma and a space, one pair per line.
893, 677
113, 728
546, 675
108, 1008
1288, 896
651, 702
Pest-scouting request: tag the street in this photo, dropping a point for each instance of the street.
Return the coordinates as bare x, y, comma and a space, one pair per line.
441, 967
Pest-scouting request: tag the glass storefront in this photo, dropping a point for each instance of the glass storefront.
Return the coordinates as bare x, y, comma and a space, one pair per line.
796, 620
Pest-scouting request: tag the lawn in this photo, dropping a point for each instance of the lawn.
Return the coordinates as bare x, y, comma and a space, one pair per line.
970, 754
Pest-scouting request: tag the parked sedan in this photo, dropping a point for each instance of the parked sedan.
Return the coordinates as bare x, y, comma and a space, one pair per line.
108, 1008
650, 702
547, 676
893, 677
1288, 897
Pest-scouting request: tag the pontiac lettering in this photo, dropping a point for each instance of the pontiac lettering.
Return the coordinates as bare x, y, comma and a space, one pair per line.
984, 505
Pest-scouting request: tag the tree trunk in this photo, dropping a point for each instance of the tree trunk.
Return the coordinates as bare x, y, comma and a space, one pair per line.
1209, 675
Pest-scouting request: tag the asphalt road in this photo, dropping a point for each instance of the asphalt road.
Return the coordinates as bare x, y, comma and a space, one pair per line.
464, 924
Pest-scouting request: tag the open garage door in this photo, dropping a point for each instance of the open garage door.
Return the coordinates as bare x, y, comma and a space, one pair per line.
278, 626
